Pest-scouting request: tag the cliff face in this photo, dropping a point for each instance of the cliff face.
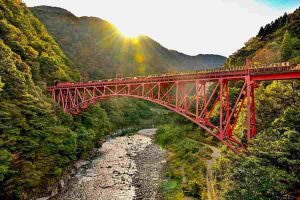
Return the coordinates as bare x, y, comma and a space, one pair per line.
99, 50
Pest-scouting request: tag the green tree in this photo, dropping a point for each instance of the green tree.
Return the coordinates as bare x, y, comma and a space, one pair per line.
1, 84
286, 47
185, 169
5, 162
96, 119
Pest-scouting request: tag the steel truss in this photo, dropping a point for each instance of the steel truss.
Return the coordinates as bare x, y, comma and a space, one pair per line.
187, 98
205, 99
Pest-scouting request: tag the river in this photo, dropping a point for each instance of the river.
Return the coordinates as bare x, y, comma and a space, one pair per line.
124, 168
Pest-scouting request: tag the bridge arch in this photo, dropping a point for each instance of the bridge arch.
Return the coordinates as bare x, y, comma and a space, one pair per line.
83, 105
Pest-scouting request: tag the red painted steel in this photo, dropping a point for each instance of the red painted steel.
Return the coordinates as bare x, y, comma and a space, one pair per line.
196, 96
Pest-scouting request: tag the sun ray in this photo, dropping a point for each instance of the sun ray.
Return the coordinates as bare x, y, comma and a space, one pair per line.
128, 31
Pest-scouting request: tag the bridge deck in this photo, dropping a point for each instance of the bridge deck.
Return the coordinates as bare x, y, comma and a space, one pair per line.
257, 74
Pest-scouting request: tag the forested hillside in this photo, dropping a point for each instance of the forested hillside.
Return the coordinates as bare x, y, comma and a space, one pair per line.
271, 167
275, 42
37, 140
99, 50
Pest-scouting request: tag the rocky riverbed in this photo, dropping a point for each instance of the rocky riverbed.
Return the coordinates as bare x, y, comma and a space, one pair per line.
125, 168
211, 192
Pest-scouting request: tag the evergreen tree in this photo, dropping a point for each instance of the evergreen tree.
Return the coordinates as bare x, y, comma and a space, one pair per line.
286, 47
261, 31
284, 19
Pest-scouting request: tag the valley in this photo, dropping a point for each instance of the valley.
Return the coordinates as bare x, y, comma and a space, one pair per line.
47, 151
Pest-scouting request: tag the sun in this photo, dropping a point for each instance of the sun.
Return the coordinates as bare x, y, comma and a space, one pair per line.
129, 31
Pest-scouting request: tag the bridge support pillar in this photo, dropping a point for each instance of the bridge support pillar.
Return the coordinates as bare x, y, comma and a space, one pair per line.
253, 112
221, 83
197, 94
251, 116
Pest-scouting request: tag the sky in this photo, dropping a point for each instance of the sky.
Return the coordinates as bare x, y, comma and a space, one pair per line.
188, 26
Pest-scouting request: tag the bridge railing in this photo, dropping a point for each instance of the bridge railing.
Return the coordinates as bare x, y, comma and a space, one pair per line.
207, 73
262, 68
284, 66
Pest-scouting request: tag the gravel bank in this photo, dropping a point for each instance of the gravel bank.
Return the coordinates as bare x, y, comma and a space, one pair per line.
149, 163
126, 168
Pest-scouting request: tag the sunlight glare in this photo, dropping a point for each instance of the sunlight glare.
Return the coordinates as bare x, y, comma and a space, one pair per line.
129, 31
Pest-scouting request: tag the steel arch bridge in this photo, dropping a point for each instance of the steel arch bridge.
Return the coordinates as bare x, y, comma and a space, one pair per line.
186, 94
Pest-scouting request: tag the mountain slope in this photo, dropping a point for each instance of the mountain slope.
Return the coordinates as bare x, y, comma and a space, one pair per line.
37, 140
30, 40
275, 42
99, 50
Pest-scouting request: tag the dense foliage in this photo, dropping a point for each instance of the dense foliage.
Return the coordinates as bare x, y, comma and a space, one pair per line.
126, 112
99, 50
186, 158
35, 144
28, 38
271, 167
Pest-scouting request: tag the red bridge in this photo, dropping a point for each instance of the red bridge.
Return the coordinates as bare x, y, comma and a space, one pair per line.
186, 94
